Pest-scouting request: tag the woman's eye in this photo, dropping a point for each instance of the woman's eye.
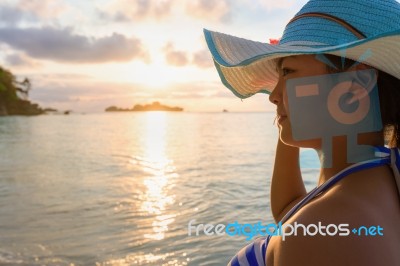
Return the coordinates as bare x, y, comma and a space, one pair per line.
286, 71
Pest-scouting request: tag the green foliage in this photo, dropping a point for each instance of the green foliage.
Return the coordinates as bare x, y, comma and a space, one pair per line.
14, 94
8, 90
2, 87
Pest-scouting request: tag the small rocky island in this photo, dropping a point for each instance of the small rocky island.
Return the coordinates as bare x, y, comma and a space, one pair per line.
155, 106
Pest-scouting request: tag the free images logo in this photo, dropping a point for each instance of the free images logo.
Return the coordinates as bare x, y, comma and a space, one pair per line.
340, 104
284, 230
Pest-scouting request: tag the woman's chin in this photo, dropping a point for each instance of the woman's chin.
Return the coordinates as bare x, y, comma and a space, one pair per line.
286, 136
288, 140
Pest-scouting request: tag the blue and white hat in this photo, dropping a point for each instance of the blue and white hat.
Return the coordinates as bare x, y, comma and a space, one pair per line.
363, 30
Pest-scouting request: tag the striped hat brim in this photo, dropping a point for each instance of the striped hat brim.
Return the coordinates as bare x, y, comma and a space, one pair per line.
248, 67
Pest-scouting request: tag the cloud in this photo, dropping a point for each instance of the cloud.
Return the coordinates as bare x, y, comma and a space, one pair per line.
175, 57
206, 89
269, 5
10, 15
45, 9
273, 4
66, 91
117, 16
63, 45
139, 10
216, 10
85, 94
127, 10
31, 11
203, 59
20, 60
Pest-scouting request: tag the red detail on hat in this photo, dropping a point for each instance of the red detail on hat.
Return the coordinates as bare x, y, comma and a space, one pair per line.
274, 41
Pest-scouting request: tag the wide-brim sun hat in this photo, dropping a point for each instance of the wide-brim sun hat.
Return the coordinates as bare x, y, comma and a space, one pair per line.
367, 31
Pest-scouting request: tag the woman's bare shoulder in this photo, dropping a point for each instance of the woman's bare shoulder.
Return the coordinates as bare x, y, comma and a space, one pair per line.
354, 225
368, 198
365, 196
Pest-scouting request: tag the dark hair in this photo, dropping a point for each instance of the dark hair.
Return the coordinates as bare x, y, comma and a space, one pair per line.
389, 99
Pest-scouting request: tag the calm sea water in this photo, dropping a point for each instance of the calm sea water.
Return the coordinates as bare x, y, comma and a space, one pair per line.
120, 189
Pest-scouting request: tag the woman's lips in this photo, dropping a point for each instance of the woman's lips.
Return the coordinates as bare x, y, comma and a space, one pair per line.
281, 118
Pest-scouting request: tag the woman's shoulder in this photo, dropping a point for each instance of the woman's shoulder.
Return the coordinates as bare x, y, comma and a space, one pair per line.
362, 198
353, 223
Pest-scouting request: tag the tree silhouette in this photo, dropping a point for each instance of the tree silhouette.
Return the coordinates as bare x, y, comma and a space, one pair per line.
14, 95
23, 88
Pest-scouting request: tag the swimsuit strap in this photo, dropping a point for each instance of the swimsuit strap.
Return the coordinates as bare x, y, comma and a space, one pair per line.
254, 253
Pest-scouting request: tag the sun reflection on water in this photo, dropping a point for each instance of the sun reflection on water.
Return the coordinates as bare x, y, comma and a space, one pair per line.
156, 195
160, 171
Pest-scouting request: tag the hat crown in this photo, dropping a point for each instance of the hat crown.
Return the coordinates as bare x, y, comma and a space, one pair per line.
370, 17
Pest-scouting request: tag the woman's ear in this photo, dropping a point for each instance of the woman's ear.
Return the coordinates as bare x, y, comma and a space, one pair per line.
365, 76
364, 80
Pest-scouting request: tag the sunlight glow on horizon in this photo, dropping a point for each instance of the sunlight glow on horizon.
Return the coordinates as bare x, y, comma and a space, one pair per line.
155, 75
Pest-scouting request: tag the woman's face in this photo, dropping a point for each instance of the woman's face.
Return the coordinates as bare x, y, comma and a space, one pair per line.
289, 68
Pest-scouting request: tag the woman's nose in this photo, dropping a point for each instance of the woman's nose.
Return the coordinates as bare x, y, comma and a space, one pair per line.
276, 95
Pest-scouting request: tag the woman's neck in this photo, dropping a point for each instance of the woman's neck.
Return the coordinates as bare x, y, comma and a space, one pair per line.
344, 152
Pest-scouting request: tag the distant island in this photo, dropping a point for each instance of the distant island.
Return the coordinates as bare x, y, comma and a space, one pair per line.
155, 106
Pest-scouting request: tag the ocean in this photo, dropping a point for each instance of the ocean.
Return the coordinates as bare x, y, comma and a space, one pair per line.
121, 188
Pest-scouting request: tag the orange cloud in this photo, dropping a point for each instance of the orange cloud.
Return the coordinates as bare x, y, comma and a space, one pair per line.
18, 60
175, 57
209, 9
127, 10
203, 59
270, 4
45, 9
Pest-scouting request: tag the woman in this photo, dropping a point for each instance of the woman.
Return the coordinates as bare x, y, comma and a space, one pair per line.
357, 188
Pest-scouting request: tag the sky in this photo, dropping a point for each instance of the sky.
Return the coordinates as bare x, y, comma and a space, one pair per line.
88, 55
